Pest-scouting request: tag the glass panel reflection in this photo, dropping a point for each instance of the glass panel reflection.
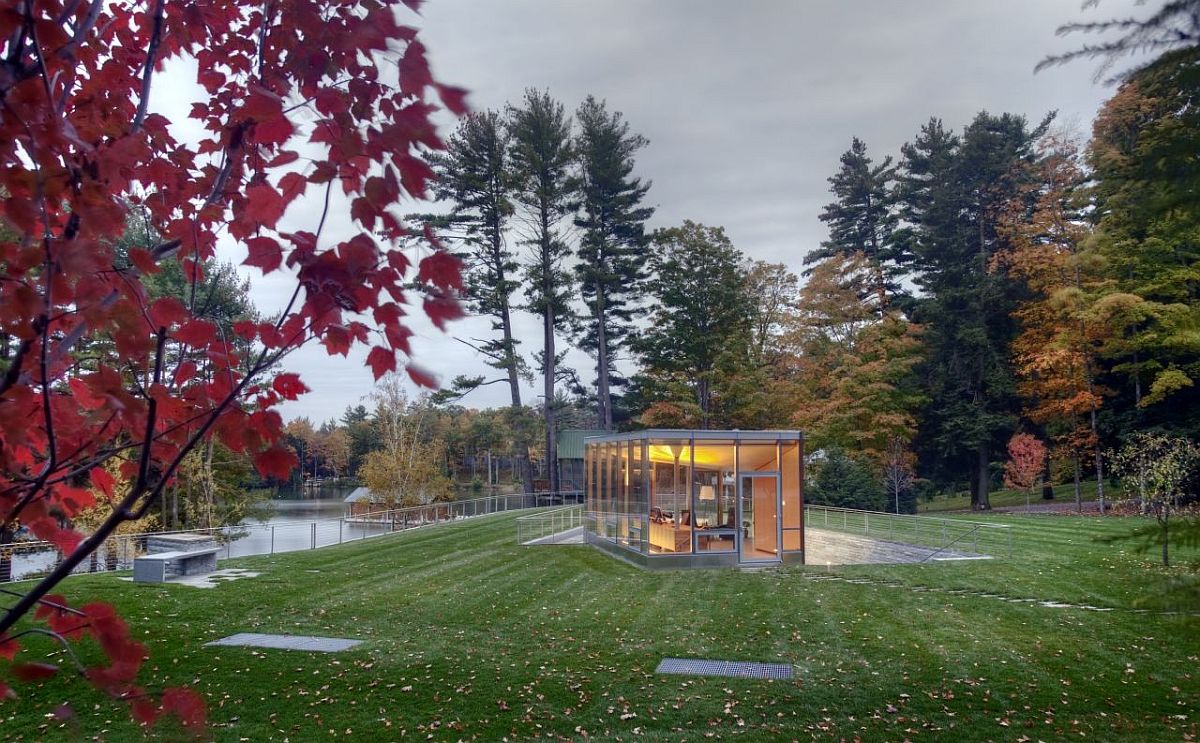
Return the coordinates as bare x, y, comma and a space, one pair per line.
791, 497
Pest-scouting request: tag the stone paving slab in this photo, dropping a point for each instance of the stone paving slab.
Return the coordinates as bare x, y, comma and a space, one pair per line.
287, 642
829, 547
730, 668
207, 580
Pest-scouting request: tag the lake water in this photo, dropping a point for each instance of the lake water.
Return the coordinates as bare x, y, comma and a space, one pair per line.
301, 519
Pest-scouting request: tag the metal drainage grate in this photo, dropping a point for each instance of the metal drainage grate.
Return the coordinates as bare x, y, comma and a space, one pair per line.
731, 668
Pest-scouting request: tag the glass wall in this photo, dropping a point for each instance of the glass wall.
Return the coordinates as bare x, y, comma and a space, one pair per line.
675, 493
791, 471
670, 505
715, 465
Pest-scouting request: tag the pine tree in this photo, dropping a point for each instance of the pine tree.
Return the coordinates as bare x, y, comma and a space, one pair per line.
954, 192
541, 157
612, 247
1175, 25
474, 174
863, 219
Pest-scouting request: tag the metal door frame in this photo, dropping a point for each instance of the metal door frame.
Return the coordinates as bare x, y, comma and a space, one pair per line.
778, 517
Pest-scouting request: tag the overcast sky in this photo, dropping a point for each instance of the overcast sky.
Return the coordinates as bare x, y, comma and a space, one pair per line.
747, 106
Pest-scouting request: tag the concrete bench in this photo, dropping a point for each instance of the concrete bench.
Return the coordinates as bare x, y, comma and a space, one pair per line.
155, 567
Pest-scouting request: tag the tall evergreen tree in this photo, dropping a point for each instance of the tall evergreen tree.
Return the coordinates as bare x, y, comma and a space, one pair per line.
863, 219
955, 192
612, 248
701, 312
541, 156
474, 175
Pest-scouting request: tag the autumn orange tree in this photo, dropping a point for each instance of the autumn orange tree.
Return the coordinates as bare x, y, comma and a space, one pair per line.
1062, 321
330, 98
856, 387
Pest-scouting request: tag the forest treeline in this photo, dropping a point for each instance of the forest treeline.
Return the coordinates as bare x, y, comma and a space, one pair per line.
984, 281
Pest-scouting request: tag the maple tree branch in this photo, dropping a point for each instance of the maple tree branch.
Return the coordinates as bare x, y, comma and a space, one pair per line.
151, 413
148, 72
45, 602
306, 101
41, 60
268, 12
80, 668
68, 10
44, 369
83, 29
299, 284
124, 511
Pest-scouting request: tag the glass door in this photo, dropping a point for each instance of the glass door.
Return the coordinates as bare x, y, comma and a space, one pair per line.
759, 505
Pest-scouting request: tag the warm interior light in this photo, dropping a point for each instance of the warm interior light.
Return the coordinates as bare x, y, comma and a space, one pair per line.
708, 455
706, 493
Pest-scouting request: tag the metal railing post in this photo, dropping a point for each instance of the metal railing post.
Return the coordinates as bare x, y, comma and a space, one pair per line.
314, 535
340, 522
272, 539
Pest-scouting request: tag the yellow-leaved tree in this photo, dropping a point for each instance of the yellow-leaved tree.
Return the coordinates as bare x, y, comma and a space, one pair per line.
409, 470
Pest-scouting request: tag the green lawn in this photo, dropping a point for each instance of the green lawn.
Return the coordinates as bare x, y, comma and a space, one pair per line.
469, 636
1063, 495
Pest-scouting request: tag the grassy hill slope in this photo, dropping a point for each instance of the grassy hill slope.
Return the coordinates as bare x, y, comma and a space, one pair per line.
469, 636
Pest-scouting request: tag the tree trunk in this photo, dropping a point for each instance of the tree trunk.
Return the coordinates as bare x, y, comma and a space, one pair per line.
1166, 530
1047, 479
603, 394
548, 361
521, 443
551, 423
1078, 494
984, 461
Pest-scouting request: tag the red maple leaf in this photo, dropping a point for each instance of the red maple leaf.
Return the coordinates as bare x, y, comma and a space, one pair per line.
422, 377
264, 253
441, 269
381, 360
277, 462
276, 130
289, 386
264, 204
442, 309
142, 401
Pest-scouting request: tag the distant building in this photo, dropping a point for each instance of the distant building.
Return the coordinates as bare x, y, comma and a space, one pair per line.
570, 456
362, 501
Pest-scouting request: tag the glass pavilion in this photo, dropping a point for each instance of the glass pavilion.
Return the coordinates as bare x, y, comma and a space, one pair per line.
670, 499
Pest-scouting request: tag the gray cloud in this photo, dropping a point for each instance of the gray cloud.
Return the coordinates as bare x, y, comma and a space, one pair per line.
747, 106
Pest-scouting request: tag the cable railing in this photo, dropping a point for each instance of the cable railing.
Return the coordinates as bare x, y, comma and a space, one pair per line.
549, 527
943, 536
25, 560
